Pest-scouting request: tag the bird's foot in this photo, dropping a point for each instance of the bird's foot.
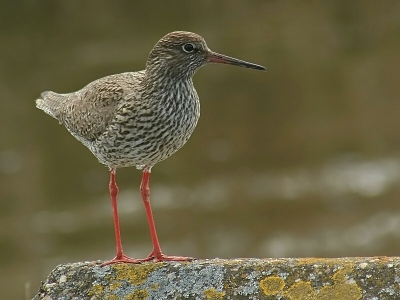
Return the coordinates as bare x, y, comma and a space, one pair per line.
159, 257
122, 259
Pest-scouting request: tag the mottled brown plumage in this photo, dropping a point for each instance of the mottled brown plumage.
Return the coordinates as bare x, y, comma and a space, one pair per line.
139, 118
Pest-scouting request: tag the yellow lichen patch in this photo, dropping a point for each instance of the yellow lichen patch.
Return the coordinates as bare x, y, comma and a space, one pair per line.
212, 294
136, 274
301, 291
137, 295
272, 285
114, 286
317, 261
340, 276
340, 289
96, 290
111, 297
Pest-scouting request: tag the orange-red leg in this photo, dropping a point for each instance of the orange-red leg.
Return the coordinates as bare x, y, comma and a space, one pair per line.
120, 256
155, 254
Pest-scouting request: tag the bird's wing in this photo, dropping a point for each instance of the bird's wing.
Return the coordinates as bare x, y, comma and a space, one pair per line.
88, 112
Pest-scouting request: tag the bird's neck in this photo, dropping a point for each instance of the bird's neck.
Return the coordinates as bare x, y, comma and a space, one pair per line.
167, 81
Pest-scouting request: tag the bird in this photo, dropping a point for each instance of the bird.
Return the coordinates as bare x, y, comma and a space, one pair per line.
138, 119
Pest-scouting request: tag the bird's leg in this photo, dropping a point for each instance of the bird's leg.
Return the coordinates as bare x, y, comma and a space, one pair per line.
120, 257
155, 254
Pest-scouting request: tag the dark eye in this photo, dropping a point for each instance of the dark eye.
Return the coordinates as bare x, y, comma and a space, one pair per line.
188, 47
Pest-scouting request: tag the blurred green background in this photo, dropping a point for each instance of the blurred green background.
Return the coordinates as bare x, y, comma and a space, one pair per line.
301, 160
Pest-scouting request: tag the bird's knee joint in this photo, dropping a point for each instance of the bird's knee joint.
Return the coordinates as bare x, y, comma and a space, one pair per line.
113, 190
145, 190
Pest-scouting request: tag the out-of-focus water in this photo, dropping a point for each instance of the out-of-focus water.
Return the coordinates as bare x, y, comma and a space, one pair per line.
301, 160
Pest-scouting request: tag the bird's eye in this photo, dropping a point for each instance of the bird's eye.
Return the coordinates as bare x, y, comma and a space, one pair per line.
188, 47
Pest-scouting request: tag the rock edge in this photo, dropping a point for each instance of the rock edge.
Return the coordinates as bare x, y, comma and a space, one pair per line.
218, 279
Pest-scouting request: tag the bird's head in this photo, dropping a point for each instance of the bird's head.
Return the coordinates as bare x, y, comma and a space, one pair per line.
182, 53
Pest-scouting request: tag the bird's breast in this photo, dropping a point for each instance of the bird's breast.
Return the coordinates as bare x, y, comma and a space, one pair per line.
150, 131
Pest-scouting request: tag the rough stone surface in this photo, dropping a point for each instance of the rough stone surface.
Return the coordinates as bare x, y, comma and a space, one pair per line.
369, 278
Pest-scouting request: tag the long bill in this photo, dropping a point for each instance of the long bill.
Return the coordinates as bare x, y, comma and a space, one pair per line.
217, 58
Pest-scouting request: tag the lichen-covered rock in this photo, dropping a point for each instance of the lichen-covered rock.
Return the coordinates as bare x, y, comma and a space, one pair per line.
217, 279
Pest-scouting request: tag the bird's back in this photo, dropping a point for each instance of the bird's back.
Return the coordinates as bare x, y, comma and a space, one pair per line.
87, 113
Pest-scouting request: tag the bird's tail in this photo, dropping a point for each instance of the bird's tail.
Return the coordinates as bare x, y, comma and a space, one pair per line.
51, 103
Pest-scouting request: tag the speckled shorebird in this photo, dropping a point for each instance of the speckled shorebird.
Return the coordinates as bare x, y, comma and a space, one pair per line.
139, 118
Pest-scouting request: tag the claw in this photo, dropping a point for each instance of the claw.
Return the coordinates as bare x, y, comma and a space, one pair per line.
122, 259
159, 257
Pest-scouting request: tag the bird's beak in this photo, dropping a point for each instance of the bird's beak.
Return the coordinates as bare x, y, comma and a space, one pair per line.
217, 58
